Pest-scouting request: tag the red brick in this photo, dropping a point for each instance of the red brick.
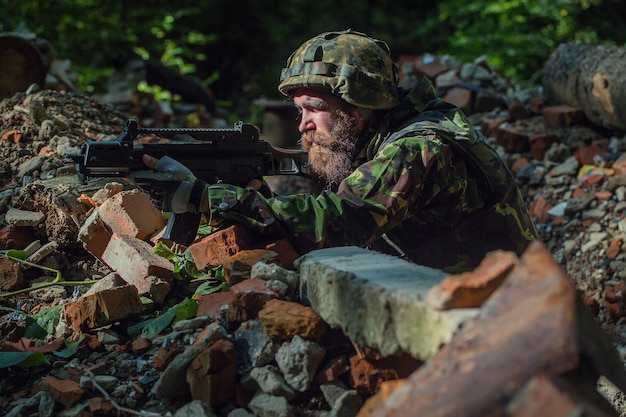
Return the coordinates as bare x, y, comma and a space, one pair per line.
130, 213
428, 66
99, 406
614, 248
539, 209
489, 127
619, 165
471, 289
460, 97
375, 402
536, 105
211, 304
603, 195
533, 323
103, 308
367, 374
285, 319
216, 248
332, 370
517, 111
562, 116
512, 139
237, 267
249, 298
545, 396
95, 235
586, 155
285, 251
135, 262
11, 276
519, 164
13, 136
16, 237
66, 392
166, 355
540, 143
141, 345
213, 373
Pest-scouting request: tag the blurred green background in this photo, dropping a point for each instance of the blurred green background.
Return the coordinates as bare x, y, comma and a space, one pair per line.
237, 48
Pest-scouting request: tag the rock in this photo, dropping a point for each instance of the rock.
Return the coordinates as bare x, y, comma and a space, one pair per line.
533, 323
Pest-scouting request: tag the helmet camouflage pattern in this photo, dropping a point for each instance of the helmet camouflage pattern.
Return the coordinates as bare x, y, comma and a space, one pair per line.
349, 64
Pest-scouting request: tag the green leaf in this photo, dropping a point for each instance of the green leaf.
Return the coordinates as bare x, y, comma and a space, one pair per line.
71, 347
211, 286
48, 318
205, 230
33, 330
164, 251
17, 254
186, 309
22, 359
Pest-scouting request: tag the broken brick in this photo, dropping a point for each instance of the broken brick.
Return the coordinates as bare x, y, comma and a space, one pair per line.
512, 139
240, 264
130, 213
134, 260
212, 304
216, 248
287, 255
540, 143
367, 374
562, 116
250, 297
212, 374
460, 97
103, 308
66, 392
285, 319
471, 289
11, 276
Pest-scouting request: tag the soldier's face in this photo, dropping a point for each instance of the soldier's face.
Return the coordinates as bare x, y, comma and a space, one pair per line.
330, 128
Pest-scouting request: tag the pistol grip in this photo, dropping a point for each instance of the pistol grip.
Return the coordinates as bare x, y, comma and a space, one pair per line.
182, 228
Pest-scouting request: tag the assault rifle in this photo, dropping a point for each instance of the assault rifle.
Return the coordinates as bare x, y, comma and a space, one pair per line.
233, 156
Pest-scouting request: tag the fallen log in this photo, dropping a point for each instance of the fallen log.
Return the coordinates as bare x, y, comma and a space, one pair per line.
590, 77
22, 65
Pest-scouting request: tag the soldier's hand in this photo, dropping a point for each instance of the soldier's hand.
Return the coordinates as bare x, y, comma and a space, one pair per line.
172, 186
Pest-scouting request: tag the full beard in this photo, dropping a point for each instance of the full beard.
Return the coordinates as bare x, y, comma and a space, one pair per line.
331, 155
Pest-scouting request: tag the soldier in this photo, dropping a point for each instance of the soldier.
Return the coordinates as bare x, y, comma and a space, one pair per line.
406, 173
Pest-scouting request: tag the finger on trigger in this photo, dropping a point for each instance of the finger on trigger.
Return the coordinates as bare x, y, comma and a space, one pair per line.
149, 160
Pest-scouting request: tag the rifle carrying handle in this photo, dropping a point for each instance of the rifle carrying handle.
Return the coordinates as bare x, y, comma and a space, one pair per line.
182, 228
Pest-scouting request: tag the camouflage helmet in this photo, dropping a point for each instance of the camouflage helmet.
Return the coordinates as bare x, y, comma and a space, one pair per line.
349, 64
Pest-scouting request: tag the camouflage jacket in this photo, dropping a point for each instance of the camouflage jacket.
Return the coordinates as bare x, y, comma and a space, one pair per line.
425, 186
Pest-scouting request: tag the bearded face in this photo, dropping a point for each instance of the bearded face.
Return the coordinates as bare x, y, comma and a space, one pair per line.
331, 155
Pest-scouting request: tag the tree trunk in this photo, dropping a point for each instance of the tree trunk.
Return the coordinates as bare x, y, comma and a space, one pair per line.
20, 65
590, 77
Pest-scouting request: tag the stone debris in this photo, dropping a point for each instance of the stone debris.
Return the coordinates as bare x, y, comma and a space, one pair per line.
338, 332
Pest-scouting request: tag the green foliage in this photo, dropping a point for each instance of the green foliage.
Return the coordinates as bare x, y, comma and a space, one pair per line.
39, 327
239, 49
186, 271
22, 359
184, 266
184, 310
517, 36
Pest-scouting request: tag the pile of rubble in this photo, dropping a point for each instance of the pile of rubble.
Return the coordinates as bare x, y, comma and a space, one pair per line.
339, 332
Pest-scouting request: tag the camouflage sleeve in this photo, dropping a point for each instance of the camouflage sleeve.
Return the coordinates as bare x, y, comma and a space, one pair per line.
405, 177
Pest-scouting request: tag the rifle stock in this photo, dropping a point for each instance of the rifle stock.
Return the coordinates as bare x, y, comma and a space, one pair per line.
234, 156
